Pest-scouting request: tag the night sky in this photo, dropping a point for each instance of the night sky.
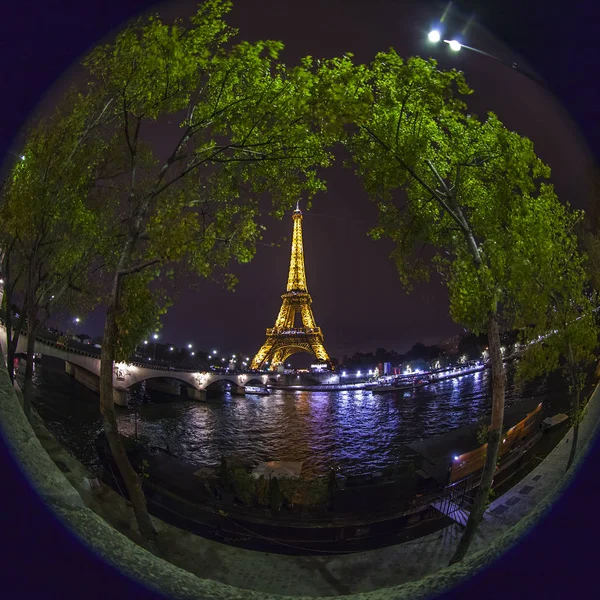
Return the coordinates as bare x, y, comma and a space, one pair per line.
357, 298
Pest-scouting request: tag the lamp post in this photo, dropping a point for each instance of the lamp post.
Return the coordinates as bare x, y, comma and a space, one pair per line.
154, 337
435, 36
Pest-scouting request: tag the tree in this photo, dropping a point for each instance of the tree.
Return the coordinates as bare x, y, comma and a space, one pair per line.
235, 125
471, 190
568, 337
50, 232
12, 271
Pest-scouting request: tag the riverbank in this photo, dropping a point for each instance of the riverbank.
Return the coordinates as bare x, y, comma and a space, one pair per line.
331, 574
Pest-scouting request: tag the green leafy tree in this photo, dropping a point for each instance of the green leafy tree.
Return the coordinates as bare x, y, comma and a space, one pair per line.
474, 194
51, 232
234, 126
567, 338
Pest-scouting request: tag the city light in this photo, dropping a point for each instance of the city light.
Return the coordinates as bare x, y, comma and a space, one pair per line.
155, 336
171, 348
358, 373
343, 373
454, 45
145, 342
77, 319
193, 353
214, 352
22, 157
190, 346
222, 360
434, 36
456, 458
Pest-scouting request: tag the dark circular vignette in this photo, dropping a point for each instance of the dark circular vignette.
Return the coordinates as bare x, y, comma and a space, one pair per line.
38, 41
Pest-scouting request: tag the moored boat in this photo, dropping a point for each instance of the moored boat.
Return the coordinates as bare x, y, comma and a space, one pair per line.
256, 390
402, 386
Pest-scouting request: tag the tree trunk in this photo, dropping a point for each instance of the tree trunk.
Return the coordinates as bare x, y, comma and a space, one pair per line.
109, 420
493, 444
32, 329
12, 341
10, 349
575, 430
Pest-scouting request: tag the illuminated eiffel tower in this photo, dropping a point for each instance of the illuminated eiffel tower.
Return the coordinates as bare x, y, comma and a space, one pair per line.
284, 339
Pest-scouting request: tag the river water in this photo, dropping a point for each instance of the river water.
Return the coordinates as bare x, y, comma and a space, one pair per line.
355, 431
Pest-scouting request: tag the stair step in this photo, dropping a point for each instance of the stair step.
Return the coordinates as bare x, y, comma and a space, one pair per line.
452, 510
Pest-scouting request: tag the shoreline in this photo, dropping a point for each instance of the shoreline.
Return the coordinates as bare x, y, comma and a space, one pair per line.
206, 563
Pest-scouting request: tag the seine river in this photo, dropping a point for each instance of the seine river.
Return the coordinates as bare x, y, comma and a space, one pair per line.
355, 431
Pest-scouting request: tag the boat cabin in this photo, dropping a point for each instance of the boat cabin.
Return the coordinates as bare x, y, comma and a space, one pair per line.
450, 457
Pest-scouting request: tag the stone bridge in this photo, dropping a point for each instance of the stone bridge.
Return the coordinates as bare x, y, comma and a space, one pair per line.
85, 367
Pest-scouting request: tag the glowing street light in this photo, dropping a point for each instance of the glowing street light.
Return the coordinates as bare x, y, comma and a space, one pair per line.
189, 346
214, 352
145, 342
77, 319
154, 337
171, 348
434, 36
193, 353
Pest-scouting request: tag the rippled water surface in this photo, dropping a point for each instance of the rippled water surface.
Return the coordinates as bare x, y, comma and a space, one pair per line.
357, 431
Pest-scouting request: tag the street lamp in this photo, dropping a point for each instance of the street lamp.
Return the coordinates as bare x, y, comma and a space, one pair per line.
434, 36
189, 346
214, 352
155, 337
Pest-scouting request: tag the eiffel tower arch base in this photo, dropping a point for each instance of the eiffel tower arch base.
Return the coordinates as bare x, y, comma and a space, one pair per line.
274, 352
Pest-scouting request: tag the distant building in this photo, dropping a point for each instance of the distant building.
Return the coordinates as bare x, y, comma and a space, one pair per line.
450, 346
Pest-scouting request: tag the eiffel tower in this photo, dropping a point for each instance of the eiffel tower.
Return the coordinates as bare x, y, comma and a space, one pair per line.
284, 339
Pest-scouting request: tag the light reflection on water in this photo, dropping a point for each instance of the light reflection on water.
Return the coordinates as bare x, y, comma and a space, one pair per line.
357, 431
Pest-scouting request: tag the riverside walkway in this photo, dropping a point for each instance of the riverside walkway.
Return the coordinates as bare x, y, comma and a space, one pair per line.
204, 566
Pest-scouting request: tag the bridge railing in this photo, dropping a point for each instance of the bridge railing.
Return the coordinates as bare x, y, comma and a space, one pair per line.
73, 350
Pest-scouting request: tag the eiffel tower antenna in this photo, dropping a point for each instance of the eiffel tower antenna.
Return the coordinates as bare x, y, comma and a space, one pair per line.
284, 339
